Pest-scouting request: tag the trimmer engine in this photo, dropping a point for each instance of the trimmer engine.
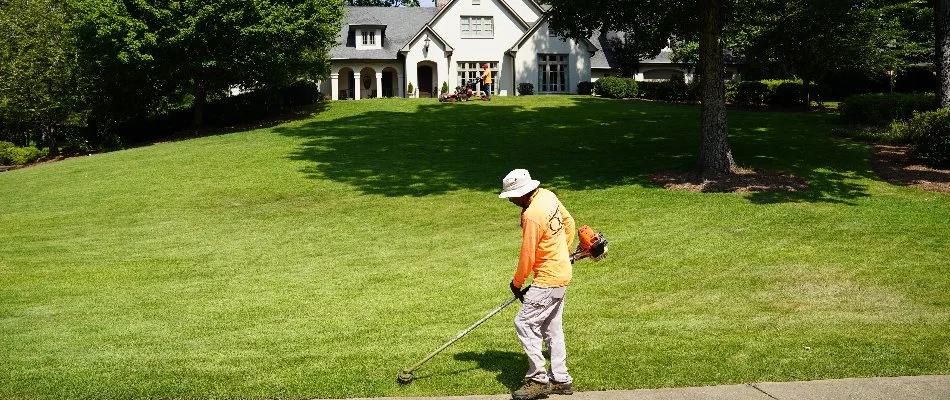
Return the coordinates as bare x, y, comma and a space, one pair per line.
592, 244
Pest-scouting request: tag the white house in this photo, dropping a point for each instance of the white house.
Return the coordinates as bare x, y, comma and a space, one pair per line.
384, 49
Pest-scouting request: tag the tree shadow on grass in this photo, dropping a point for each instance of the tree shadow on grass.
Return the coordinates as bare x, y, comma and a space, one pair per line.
445, 147
578, 144
509, 366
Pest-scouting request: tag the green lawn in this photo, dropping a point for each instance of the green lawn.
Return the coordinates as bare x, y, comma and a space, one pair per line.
319, 257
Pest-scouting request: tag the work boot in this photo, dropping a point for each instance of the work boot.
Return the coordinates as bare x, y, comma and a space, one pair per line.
531, 390
561, 388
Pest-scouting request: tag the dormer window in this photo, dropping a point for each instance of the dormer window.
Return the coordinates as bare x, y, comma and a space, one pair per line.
369, 37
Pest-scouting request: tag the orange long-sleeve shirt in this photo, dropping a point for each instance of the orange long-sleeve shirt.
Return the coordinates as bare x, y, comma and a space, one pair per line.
486, 77
547, 235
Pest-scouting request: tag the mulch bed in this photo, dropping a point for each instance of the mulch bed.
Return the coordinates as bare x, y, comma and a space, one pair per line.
890, 162
744, 180
893, 165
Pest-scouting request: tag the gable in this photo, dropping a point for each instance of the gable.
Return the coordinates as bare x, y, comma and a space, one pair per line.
539, 34
505, 24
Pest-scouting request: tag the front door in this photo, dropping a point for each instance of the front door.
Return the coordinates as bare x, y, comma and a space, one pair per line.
424, 72
388, 84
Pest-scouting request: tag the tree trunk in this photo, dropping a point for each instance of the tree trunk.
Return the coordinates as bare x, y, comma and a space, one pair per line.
943, 52
201, 98
715, 156
51, 142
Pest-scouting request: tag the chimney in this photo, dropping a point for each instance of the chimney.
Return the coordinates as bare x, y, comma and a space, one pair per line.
441, 3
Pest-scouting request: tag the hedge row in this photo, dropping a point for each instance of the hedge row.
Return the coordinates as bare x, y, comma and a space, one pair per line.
771, 92
10, 154
746, 93
675, 89
881, 109
243, 108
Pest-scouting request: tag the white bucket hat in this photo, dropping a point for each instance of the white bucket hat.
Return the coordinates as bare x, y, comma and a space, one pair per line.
517, 183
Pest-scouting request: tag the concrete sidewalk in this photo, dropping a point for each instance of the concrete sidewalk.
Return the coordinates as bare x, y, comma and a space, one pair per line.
934, 387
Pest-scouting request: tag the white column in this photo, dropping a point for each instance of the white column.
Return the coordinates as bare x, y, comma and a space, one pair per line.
358, 79
379, 84
335, 86
402, 86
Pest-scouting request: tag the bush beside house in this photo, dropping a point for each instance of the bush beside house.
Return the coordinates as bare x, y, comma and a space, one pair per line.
616, 88
525, 89
585, 88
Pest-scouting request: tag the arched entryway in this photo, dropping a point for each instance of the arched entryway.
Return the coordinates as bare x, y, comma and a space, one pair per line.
367, 83
427, 75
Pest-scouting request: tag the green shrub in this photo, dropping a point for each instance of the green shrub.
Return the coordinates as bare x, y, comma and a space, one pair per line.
616, 88
786, 93
445, 87
648, 90
751, 93
13, 155
630, 87
732, 92
929, 136
410, 89
791, 92
695, 88
678, 89
525, 89
585, 88
881, 109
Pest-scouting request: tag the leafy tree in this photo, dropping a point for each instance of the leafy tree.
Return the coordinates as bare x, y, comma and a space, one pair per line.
942, 23
198, 48
383, 3
700, 20
809, 39
629, 51
41, 88
116, 52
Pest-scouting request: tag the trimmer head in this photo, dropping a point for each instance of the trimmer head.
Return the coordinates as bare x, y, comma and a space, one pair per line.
404, 377
592, 244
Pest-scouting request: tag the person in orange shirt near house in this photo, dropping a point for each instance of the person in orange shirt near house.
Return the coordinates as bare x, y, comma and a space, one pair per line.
486, 81
547, 235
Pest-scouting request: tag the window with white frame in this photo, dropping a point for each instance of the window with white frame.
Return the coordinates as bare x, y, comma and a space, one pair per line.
368, 38
552, 73
477, 27
471, 72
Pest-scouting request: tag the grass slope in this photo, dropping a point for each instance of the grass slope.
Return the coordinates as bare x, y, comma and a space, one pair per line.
319, 257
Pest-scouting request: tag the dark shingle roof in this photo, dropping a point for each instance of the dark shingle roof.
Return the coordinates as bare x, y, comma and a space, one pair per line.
402, 23
607, 59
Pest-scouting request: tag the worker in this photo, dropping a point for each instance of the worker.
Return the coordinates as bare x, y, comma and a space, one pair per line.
486, 81
547, 235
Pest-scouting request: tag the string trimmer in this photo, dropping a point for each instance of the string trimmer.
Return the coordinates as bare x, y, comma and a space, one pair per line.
591, 244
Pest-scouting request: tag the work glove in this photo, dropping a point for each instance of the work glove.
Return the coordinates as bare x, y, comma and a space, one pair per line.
519, 293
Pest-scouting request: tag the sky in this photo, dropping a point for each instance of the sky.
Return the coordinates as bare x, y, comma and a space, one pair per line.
427, 3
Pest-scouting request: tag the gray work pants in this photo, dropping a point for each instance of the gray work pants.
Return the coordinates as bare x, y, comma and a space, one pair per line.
540, 320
